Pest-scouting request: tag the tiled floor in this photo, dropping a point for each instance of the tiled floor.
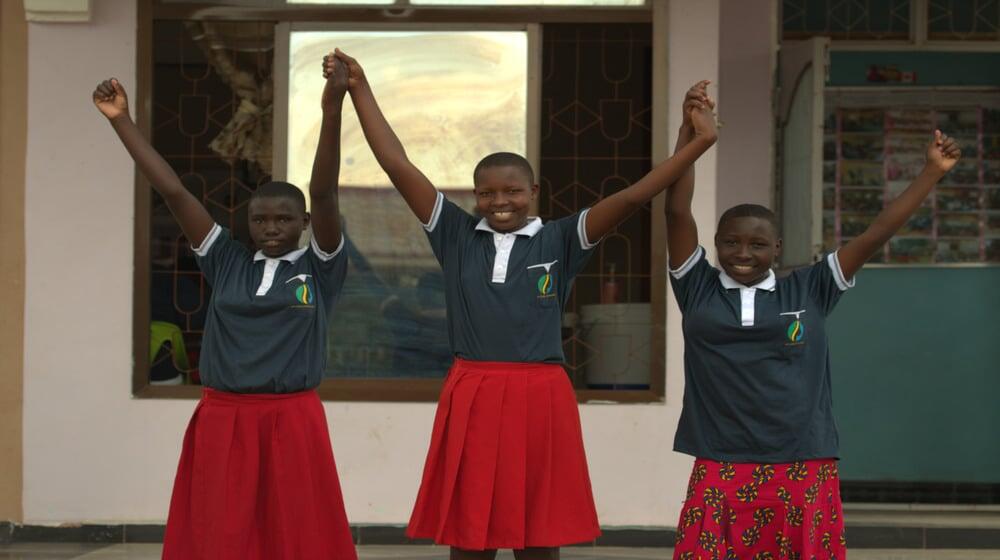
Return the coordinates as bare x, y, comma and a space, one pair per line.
33, 551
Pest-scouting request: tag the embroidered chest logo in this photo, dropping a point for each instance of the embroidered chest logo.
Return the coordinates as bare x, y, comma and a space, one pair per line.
796, 332
545, 283
304, 290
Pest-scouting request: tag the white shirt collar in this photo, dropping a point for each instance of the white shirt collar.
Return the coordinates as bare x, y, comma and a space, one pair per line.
533, 226
769, 283
290, 256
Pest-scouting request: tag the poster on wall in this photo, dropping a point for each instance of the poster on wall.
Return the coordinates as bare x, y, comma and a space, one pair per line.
872, 153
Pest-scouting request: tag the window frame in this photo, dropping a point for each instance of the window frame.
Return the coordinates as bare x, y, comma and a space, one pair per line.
430, 17
918, 36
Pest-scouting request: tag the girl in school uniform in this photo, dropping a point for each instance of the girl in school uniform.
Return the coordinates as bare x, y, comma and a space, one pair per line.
757, 411
506, 466
257, 479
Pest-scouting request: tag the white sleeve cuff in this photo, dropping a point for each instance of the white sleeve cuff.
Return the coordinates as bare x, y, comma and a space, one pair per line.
581, 231
323, 255
838, 274
679, 272
435, 214
206, 243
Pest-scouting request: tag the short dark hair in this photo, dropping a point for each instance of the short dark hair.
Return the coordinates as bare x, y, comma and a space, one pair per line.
751, 211
504, 159
280, 189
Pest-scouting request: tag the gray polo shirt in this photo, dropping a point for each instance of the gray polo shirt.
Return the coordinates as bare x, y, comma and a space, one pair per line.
266, 326
505, 291
756, 363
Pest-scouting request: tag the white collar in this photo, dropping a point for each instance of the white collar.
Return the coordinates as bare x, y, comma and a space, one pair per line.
290, 256
768, 283
533, 226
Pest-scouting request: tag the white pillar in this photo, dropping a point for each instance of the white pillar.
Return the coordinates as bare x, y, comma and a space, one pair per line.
748, 46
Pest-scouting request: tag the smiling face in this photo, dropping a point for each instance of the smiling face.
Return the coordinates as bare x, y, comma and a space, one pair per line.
503, 196
747, 248
276, 223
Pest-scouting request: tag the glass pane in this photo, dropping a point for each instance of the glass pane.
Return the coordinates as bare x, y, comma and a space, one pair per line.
963, 20
439, 90
957, 250
530, 2
482, 2
595, 141
911, 250
877, 152
335, 2
220, 150
858, 19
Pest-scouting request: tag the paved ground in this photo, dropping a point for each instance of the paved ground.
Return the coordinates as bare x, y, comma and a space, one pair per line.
33, 551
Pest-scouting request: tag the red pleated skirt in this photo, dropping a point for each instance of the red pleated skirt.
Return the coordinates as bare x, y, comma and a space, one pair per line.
762, 512
506, 466
257, 481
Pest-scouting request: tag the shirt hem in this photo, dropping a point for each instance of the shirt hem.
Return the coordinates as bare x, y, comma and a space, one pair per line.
435, 213
760, 459
683, 269
209, 240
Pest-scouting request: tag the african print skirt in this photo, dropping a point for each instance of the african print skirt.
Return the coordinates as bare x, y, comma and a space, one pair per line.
762, 512
506, 466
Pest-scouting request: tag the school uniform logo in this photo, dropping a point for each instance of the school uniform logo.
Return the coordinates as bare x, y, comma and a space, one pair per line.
796, 331
545, 282
304, 290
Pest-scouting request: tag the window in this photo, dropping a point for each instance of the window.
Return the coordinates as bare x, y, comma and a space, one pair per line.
963, 20
213, 87
452, 97
916, 21
857, 20
404, 3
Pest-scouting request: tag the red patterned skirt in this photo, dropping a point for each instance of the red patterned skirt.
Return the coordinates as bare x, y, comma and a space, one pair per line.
257, 481
506, 466
762, 512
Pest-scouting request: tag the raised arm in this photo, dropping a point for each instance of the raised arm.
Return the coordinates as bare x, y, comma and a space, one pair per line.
323, 199
611, 211
416, 189
682, 231
942, 154
110, 99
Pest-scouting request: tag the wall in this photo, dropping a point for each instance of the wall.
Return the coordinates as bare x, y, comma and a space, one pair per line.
747, 57
13, 100
914, 351
915, 359
92, 453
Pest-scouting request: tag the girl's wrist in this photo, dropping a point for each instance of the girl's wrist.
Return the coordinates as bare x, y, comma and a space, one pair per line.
933, 172
120, 118
358, 87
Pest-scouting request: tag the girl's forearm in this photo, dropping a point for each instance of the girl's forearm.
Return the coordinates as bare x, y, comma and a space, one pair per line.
681, 192
385, 144
326, 164
150, 163
901, 208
